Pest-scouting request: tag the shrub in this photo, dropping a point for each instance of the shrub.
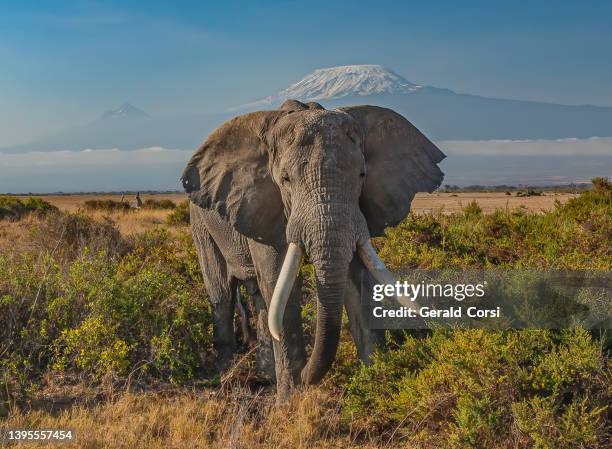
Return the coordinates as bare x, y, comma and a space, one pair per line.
14, 208
158, 204
180, 215
472, 209
70, 234
99, 314
575, 235
107, 205
528, 192
476, 388
592, 206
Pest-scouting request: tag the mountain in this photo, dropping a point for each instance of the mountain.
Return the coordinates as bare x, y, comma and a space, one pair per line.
344, 81
442, 113
125, 111
128, 128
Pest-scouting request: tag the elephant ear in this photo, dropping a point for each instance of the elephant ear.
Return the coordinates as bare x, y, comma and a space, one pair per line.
229, 174
400, 162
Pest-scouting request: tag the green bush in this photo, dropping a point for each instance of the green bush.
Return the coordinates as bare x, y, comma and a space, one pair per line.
575, 235
14, 208
180, 215
475, 388
472, 209
99, 314
592, 208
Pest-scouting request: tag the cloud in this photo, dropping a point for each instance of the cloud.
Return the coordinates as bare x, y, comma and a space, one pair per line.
594, 146
112, 157
533, 162
153, 168
530, 162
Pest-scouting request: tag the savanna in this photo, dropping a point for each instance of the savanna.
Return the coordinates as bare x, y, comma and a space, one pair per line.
105, 328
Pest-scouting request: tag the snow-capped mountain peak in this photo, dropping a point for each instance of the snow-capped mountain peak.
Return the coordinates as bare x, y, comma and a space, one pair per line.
338, 82
343, 81
125, 110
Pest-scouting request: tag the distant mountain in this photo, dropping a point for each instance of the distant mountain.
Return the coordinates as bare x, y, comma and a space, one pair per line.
125, 111
345, 81
440, 113
128, 128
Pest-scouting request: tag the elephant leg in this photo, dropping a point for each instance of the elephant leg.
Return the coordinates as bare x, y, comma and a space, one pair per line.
248, 335
289, 352
265, 351
356, 301
224, 338
221, 289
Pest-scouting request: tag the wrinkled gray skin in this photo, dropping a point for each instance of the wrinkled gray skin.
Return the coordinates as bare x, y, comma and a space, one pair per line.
323, 179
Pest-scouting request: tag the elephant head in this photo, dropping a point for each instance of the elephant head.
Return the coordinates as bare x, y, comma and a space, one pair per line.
316, 181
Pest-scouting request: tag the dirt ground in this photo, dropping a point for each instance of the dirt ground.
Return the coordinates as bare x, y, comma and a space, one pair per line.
423, 203
488, 202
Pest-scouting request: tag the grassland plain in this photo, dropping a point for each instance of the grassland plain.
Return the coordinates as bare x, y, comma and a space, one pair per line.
446, 202
105, 329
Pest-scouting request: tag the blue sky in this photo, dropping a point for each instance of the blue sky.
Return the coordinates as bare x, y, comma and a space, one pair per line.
63, 63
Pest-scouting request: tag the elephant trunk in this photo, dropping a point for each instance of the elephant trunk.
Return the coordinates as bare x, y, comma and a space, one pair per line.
331, 272
330, 251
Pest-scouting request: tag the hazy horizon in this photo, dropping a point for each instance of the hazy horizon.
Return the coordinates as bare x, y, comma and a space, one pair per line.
496, 162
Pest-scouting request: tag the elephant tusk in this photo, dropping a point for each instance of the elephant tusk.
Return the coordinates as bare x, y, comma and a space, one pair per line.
282, 290
373, 263
377, 268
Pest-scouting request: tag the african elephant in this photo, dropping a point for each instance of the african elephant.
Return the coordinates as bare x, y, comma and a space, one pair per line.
268, 187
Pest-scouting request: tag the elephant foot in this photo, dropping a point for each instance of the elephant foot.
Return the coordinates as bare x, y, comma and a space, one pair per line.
284, 391
265, 363
224, 360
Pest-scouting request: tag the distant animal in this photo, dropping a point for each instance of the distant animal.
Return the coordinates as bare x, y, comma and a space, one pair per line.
138, 201
268, 187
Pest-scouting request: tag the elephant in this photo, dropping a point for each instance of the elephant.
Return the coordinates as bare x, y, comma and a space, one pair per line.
268, 188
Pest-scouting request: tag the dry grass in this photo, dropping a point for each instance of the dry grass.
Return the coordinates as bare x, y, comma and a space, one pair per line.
18, 234
72, 203
238, 419
423, 202
133, 222
128, 222
488, 201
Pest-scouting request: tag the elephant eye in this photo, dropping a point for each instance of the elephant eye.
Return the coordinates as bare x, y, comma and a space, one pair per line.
285, 177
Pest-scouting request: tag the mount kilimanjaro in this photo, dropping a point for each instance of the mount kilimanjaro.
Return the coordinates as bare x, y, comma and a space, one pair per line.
441, 114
